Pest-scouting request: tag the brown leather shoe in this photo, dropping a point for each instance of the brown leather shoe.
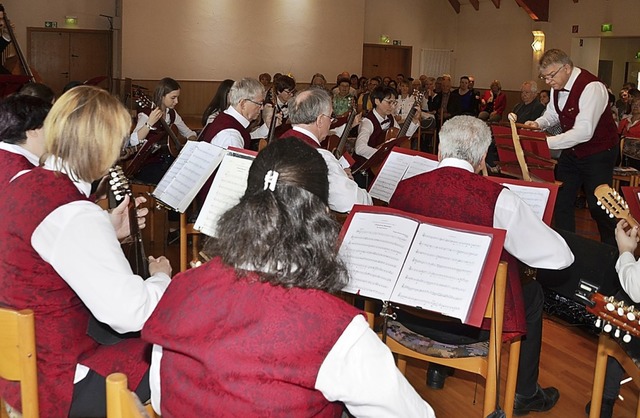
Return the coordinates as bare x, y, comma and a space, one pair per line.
542, 400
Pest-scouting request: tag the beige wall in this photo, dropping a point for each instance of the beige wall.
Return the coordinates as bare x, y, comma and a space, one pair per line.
246, 37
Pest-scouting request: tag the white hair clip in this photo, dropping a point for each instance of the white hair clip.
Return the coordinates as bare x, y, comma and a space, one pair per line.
270, 180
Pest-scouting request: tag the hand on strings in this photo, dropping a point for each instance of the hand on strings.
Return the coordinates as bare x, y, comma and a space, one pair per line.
120, 216
159, 265
155, 116
627, 238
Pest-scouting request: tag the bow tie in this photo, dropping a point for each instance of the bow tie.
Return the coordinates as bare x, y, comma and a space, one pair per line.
384, 122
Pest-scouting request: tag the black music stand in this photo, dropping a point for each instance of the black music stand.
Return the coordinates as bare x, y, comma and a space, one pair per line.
10, 84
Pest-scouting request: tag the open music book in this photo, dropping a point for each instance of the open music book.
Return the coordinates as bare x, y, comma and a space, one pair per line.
227, 188
433, 264
541, 197
400, 164
188, 173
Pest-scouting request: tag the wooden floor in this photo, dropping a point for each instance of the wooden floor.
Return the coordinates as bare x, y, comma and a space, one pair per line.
567, 362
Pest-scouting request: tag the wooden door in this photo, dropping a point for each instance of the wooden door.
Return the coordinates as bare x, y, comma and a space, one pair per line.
49, 55
386, 60
64, 55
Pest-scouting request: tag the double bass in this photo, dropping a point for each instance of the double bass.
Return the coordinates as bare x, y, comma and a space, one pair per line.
17, 64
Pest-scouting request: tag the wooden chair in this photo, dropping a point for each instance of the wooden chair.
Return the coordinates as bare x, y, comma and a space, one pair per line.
18, 358
121, 402
186, 229
629, 148
484, 361
607, 346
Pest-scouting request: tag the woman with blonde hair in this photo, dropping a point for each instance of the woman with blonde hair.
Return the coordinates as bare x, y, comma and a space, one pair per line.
61, 257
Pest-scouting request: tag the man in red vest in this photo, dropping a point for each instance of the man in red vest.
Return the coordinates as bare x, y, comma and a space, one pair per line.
455, 192
589, 142
230, 128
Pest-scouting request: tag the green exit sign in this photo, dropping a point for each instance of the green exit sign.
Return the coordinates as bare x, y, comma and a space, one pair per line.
606, 27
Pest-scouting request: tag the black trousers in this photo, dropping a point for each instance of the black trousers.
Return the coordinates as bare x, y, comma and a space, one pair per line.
90, 396
463, 334
589, 173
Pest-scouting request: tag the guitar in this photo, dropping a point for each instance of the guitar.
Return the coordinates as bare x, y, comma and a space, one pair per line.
612, 202
153, 139
614, 315
402, 133
337, 144
119, 188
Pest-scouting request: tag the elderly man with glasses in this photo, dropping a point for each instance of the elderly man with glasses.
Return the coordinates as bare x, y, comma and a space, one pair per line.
310, 116
580, 103
230, 128
529, 107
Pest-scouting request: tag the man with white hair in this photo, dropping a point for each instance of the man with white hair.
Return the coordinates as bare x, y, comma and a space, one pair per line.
530, 107
310, 115
229, 129
455, 192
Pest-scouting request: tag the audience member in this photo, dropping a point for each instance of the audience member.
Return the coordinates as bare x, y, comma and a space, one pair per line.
529, 107
493, 103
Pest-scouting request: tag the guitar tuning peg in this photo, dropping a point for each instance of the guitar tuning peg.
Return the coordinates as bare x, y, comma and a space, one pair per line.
607, 327
609, 306
626, 338
599, 203
617, 333
631, 316
620, 311
598, 323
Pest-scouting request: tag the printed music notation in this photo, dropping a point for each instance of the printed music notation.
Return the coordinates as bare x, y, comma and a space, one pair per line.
188, 173
535, 197
398, 166
402, 260
226, 190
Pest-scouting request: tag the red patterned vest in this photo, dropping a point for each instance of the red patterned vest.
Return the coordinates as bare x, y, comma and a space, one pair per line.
11, 164
301, 136
458, 195
377, 136
243, 348
158, 135
605, 135
26, 281
221, 122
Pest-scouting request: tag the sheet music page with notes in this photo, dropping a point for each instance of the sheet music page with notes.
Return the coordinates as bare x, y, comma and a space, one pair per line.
442, 270
188, 173
226, 190
535, 197
398, 166
374, 248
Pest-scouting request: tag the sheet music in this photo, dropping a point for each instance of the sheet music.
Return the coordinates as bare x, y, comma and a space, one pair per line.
374, 249
420, 165
535, 197
390, 175
442, 270
226, 190
194, 165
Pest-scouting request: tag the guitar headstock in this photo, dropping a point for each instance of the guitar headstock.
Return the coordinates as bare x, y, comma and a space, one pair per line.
614, 315
142, 99
611, 202
419, 97
119, 186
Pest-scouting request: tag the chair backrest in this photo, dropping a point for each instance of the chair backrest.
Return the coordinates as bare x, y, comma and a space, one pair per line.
629, 147
18, 356
121, 402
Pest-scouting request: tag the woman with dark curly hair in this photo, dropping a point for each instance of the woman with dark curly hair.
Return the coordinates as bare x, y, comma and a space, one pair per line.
255, 331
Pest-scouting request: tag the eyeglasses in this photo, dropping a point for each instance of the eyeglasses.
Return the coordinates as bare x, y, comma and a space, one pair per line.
547, 77
390, 101
289, 92
256, 103
331, 119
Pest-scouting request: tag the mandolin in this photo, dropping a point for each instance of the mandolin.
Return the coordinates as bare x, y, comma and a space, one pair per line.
615, 316
119, 188
337, 144
154, 139
612, 202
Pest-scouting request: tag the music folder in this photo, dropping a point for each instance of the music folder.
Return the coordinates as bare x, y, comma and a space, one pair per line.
540, 197
380, 154
427, 263
187, 174
400, 164
229, 185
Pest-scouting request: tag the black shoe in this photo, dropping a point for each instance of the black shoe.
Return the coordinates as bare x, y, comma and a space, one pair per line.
436, 374
606, 410
542, 400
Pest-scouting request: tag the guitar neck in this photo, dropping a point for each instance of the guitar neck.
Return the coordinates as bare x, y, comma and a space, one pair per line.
345, 135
